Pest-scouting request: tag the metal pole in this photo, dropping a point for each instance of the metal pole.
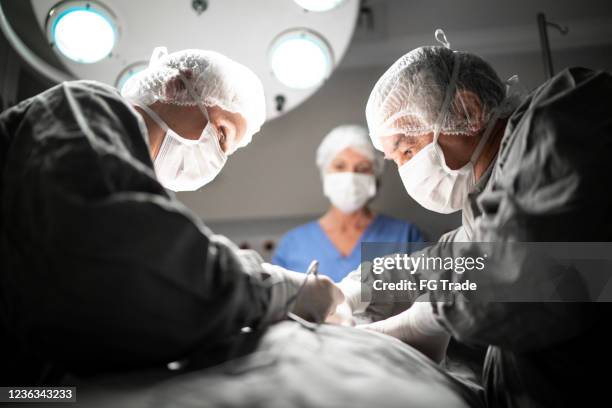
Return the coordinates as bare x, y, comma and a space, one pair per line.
545, 44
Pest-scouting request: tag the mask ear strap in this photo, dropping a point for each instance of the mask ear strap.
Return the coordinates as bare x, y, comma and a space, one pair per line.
202, 108
160, 122
450, 90
498, 112
450, 93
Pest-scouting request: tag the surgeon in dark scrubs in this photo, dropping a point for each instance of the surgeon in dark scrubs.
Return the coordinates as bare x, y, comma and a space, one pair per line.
102, 269
535, 170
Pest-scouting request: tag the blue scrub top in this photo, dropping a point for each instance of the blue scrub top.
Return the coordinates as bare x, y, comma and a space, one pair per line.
301, 245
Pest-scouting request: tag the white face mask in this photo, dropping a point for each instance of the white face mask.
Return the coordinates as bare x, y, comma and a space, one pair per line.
185, 164
349, 191
433, 184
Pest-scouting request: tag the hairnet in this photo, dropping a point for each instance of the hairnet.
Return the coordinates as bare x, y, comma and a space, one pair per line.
345, 136
410, 96
215, 79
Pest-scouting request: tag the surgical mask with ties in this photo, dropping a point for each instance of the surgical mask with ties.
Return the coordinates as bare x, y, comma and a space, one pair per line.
185, 164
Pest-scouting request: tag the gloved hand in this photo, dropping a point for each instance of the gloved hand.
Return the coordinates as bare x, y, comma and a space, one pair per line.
418, 327
318, 297
343, 316
352, 304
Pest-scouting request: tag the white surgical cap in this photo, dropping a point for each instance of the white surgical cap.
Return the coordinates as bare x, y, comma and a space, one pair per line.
410, 97
345, 136
215, 79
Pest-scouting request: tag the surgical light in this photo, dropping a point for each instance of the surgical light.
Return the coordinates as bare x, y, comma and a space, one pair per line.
129, 72
82, 31
301, 59
319, 5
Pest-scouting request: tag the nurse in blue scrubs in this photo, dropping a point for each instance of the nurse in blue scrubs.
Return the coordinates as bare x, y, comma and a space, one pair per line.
350, 168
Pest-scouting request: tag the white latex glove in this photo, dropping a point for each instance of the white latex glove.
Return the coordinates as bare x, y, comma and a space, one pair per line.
351, 288
418, 327
343, 316
352, 305
317, 300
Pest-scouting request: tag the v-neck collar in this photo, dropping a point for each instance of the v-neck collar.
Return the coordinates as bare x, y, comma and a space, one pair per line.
357, 245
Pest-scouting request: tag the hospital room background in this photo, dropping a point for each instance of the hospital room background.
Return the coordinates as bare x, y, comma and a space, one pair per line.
253, 202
